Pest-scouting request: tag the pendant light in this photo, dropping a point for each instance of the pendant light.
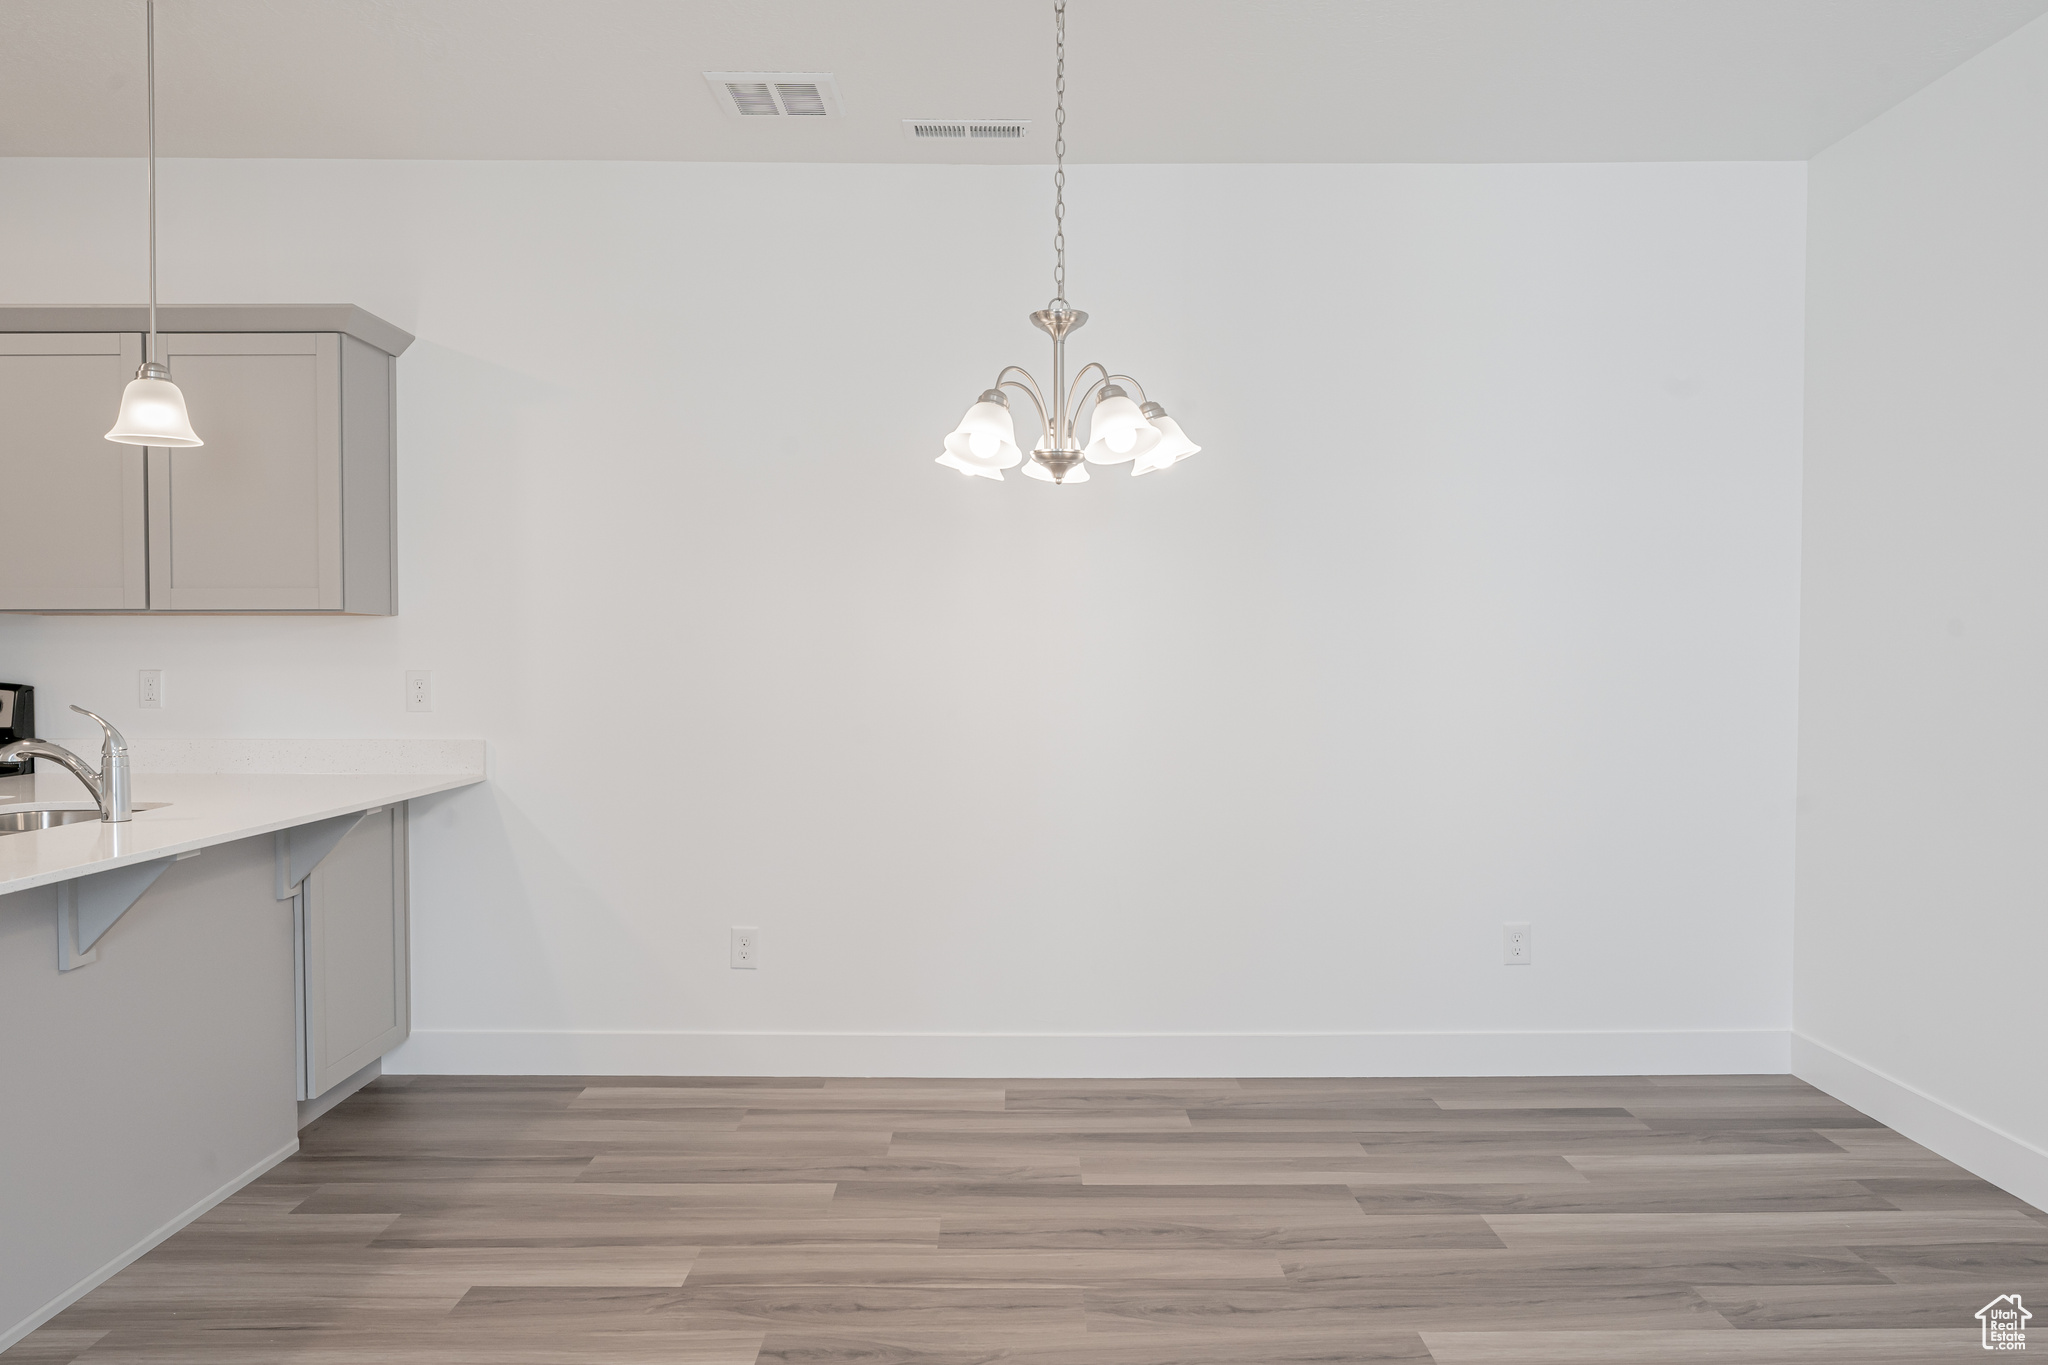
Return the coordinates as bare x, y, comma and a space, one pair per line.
152, 410
1120, 429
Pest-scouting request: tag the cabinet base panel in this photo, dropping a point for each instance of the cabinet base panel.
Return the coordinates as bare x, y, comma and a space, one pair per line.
309, 1110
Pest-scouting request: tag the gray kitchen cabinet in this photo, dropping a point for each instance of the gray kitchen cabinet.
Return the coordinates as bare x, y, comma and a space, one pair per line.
250, 521
288, 507
352, 935
74, 538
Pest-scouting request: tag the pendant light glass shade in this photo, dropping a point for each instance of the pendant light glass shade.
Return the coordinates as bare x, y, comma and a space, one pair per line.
153, 414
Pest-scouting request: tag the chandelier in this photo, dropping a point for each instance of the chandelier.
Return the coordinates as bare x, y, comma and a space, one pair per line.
1119, 430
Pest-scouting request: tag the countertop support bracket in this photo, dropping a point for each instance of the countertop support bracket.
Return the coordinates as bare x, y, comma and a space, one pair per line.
301, 848
89, 906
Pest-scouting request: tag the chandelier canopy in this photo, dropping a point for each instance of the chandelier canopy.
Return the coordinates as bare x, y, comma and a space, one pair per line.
1120, 430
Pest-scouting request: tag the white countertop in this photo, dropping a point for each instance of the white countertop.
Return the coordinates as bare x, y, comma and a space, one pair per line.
203, 809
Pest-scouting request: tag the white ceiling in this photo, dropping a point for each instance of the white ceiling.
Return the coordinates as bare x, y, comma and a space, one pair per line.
1149, 80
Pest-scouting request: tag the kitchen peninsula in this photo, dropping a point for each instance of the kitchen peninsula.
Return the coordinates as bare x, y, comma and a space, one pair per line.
182, 989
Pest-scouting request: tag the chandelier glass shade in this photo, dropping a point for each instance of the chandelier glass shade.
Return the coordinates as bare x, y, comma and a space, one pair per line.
1174, 445
985, 440
1121, 430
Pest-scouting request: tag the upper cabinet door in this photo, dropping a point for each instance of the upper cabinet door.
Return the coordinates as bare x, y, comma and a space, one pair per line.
74, 500
250, 521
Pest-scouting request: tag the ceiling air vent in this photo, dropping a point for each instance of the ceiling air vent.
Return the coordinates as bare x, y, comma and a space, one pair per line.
964, 130
775, 94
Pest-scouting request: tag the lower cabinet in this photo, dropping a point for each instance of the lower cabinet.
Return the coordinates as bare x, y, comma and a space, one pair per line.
352, 932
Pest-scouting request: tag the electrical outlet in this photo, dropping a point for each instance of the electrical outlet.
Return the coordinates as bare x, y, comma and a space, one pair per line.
419, 689
1515, 951
149, 688
746, 948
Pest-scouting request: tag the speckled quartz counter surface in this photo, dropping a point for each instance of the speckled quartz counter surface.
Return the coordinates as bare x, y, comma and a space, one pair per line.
202, 809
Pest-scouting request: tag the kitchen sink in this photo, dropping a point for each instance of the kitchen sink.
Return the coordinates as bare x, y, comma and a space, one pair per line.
22, 821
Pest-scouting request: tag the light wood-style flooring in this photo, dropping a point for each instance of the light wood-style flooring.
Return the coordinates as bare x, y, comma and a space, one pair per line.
528, 1221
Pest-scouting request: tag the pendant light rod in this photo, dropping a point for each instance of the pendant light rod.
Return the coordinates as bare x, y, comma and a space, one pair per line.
152, 408
149, 23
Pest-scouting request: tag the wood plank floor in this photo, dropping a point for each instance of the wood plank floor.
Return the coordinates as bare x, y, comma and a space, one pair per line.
533, 1220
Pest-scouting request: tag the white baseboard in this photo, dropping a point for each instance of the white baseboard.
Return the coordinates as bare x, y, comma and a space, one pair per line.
10, 1335
2006, 1160
515, 1053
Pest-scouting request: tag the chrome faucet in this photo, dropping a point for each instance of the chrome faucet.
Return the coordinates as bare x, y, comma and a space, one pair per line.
109, 786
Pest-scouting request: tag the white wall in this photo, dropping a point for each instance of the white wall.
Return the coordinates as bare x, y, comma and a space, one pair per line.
1480, 605
1923, 864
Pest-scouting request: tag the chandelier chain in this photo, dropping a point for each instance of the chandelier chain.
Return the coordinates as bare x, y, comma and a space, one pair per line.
1059, 151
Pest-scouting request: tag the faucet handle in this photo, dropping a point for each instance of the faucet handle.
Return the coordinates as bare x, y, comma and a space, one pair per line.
114, 740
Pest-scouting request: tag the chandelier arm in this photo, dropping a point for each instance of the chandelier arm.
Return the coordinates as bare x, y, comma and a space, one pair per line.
1079, 375
1074, 417
1089, 390
1029, 381
1124, 378
1029, 391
